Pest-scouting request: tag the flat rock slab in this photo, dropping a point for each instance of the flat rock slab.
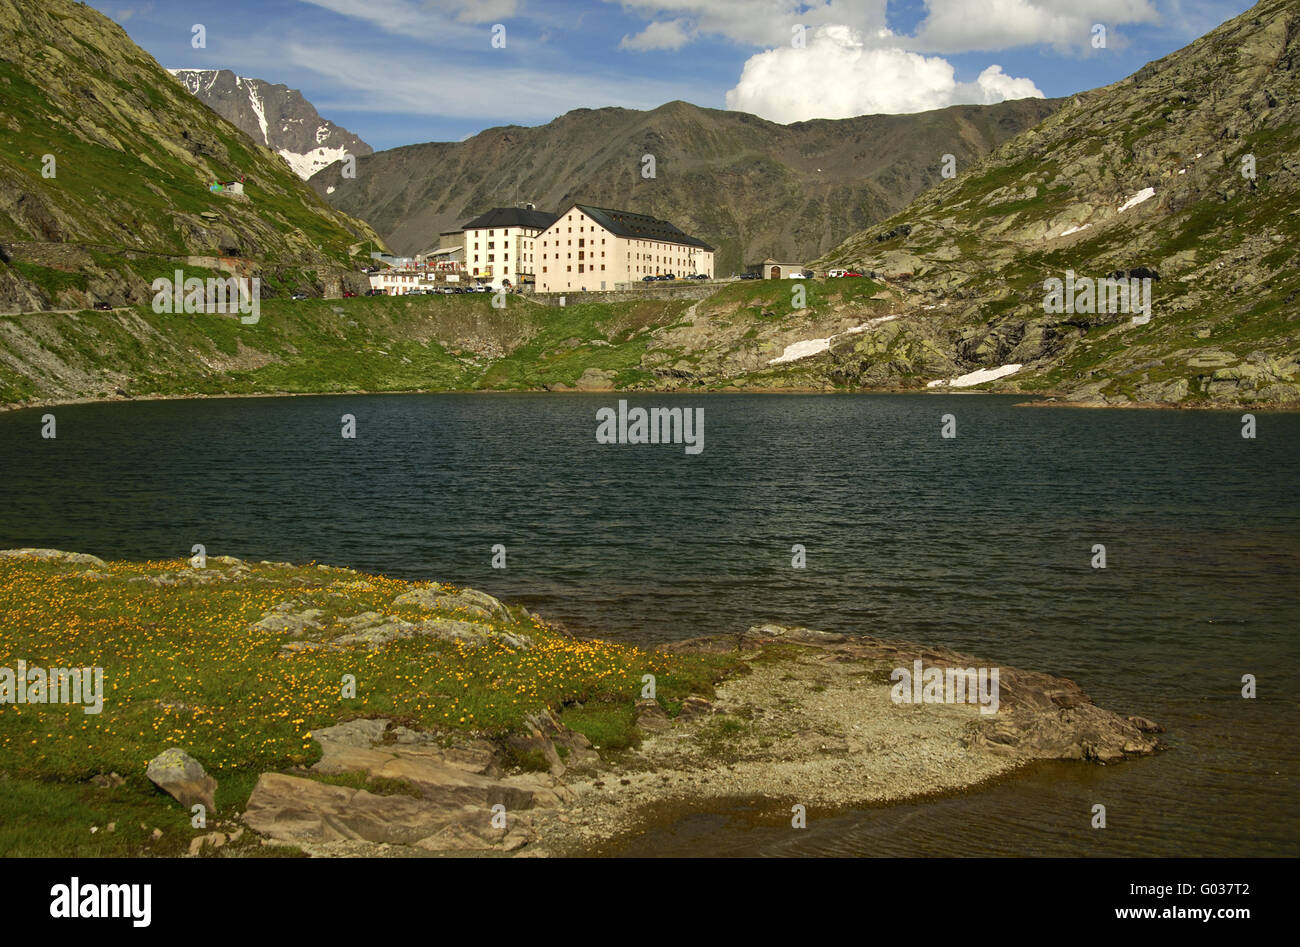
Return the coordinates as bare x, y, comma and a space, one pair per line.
458, 798
297, 810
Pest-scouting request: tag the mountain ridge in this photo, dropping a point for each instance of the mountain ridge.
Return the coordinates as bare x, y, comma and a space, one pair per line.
274, 115
751, 187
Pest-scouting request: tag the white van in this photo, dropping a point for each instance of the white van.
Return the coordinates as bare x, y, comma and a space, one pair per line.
837, 272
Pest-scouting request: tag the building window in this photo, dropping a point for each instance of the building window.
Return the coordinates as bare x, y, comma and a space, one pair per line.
491, 257
581, 241
580, 268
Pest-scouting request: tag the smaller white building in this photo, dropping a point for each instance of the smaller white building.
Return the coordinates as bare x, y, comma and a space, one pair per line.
400, 282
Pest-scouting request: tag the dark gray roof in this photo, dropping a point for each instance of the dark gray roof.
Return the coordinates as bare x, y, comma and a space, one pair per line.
624, 223
512, 217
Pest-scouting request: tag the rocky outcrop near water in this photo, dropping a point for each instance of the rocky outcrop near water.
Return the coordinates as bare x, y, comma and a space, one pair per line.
568, 750
1039, 716
812, 720
425, 791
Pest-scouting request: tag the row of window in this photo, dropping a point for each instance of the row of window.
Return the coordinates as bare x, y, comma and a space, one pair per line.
505, 258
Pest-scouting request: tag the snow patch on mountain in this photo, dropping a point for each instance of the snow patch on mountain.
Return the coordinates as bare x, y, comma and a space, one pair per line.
259, 110
1143, 195
977, 377
305, 165
797, 350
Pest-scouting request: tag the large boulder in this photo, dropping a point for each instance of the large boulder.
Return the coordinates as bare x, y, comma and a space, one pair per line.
181, 776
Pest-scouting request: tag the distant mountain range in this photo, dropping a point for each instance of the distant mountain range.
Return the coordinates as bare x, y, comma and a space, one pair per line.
750, 187
275, 116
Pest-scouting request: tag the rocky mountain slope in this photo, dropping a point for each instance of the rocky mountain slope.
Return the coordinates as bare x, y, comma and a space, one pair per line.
750, 187
105, 166
275, 116
1187, 173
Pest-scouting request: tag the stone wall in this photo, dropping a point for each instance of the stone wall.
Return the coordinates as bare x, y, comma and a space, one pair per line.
694, 289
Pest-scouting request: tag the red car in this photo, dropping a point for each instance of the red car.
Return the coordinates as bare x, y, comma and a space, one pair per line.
852, 273
348, 294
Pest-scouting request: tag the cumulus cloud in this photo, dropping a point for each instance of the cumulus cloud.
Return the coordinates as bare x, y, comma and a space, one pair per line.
841, 73
994, 85
669, 34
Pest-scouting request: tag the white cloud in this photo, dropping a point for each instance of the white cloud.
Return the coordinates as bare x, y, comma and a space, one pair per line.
841, 74
414, 85
665, 34
969, 25
756, 22
443, 19
474, 11
994, 85
950, 26
125, 13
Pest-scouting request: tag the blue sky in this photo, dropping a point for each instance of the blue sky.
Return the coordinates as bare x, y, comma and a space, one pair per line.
397, 72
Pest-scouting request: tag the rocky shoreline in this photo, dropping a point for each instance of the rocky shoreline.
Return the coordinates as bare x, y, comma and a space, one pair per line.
794, 716
1045, 399
811, 721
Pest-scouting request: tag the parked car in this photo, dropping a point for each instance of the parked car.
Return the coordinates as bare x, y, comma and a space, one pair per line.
298, 296
103, 307
668, 277
749, 276
697, 276
852, 273
375, 292
836, 273
348, 294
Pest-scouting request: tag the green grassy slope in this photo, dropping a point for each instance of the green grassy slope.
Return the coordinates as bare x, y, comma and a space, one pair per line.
185, 664
105, 162
1225, 321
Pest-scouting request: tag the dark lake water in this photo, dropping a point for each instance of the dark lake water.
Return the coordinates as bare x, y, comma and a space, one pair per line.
981, 542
